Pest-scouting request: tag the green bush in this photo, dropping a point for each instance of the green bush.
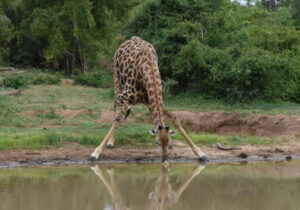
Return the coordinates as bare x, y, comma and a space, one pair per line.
23, 80
258, 74
14, 81
223, 49
98, 79
50, 79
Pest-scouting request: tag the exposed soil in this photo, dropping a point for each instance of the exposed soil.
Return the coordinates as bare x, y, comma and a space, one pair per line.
70, 113
282, 126
67, 113
67, 81
73, 152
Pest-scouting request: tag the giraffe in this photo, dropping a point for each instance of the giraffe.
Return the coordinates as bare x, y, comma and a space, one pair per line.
163, 195
137, 80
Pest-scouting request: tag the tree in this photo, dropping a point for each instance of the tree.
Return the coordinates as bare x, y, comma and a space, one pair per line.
71, 34
296, 11
223, 49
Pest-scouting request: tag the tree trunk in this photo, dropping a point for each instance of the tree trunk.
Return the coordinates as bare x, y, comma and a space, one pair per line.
72, 58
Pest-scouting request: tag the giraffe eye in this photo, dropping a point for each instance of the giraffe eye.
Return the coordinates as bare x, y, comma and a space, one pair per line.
152, 132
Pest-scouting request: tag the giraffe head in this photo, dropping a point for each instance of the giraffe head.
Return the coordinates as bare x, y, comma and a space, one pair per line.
163, 139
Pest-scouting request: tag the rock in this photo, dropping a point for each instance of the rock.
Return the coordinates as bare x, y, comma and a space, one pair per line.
242, 155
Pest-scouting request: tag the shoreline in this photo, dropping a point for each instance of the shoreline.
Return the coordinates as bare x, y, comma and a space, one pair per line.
75, 154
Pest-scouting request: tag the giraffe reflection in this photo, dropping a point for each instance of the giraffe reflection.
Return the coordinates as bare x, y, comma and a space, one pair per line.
162, 197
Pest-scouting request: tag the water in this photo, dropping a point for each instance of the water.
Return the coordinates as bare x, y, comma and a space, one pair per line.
261, 185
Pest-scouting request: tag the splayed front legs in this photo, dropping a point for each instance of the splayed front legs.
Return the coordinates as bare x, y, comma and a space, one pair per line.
109, 135
197, 151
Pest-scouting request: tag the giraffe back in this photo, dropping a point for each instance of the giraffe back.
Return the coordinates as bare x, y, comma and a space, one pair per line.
136, 73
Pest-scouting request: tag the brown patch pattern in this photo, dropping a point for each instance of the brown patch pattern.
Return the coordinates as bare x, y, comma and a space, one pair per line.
137, 78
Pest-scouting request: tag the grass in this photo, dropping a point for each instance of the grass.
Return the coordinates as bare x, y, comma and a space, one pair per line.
186, 101
23, 118
92, 134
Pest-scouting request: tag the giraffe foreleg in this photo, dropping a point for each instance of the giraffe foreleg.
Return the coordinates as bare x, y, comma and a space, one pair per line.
197, 151
98, 150
111, 142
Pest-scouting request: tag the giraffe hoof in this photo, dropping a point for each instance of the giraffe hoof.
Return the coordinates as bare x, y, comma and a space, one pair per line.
109, 146
203, 159
92, 158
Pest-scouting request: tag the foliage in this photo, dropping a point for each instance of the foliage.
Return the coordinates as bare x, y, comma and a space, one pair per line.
14, 81
6, 34
50, 79
217, 48
62, 34
168, 87
23, 80
223, 49
95, 79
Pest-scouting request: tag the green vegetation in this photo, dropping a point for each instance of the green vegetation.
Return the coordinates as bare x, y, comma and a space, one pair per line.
51, 115
190, 101
92, 134
71, 35
213, 55
95, 79
222, 49
23, 80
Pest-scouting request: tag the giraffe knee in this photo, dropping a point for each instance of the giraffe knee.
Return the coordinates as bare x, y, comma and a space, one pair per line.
176, 121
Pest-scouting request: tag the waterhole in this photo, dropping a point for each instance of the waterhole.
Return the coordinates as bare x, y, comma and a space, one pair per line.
253, 185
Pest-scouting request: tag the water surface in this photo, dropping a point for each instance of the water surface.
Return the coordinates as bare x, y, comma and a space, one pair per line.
234, 186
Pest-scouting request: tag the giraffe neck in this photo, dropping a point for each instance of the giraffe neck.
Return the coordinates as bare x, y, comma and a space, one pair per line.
157, 118
154, 88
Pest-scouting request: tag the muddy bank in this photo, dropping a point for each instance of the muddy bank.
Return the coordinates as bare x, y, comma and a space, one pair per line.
74, 153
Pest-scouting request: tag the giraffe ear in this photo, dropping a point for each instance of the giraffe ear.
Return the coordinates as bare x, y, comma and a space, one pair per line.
152, 132
172, 133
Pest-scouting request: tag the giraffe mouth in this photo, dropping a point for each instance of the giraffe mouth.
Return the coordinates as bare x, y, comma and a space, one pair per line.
164, 158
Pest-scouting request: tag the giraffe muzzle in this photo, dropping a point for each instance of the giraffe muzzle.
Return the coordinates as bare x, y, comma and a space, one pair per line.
164, 158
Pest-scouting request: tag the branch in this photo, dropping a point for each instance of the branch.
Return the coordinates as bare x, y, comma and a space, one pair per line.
15, 93
8, 69
227, 148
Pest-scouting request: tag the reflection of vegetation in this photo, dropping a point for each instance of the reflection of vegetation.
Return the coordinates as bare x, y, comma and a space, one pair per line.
253, 170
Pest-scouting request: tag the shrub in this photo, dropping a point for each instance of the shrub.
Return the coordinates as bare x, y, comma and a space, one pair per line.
98, 79
14, 81
223, 49
23, 80
258, 74
50, 79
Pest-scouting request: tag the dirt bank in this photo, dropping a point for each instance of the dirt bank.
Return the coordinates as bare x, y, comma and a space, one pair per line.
73, 152
283, 126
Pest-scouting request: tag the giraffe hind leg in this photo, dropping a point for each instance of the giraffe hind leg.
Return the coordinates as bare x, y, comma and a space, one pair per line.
111, 143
